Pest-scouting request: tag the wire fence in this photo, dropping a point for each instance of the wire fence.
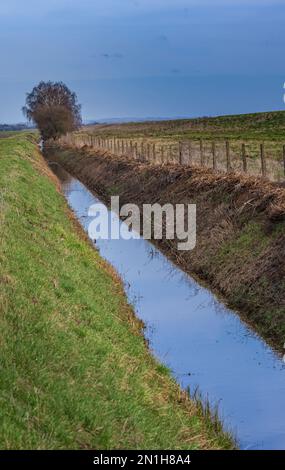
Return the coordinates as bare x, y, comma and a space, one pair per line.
265, 159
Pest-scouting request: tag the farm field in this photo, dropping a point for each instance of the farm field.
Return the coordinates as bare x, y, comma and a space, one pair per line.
257, 126
254, 143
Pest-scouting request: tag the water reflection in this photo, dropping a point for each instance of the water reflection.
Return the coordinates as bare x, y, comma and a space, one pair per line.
202, 342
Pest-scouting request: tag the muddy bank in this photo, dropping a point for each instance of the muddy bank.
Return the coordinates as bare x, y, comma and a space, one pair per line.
240, 233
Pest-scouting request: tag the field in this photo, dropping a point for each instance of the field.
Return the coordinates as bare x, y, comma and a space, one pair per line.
190, 141
75, 369
259, 126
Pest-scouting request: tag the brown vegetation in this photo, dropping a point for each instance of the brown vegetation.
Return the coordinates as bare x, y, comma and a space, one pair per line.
241, 220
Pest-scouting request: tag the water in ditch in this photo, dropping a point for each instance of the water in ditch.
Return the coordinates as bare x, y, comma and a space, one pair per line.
200, 340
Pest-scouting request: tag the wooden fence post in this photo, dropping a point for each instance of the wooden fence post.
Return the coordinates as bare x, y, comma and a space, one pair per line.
180, 153
148, 151
214, 155
244, 161
142, 151
284, 159
190, 153
263, 160
154, 152
202, 152
228, 156
169, 156
131, 148
162, 154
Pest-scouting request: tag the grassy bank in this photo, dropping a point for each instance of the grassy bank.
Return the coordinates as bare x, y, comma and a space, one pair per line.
240, 228
75, 370
257, 126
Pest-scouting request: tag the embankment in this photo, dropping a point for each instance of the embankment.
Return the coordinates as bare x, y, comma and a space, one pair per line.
240, 235
75, 370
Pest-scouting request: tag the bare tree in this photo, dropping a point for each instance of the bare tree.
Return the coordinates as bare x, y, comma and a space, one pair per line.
53, 108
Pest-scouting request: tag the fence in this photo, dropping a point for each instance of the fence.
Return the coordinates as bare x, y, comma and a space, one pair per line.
254, 158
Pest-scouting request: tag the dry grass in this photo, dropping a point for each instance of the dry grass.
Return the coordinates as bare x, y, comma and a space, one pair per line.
241, 220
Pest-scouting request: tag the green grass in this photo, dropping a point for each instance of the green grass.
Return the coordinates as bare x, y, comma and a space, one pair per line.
250, 242
265, 294
28, 132
75, 370
249, 129
256, 126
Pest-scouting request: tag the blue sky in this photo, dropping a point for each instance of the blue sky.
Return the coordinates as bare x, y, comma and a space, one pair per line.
145, 57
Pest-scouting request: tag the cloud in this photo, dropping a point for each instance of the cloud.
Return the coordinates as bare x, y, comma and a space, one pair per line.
107, 55
162, 37
116, 55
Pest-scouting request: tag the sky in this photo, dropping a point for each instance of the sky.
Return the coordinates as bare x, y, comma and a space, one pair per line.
145, 58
